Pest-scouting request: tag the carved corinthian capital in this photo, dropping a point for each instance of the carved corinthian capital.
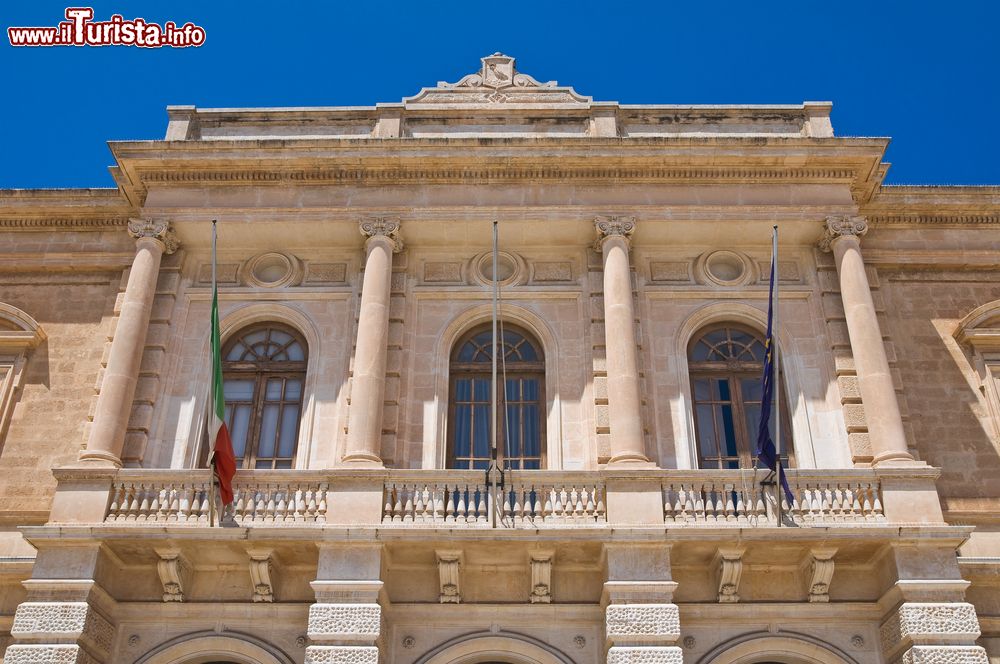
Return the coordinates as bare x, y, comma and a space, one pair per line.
387, 227
613, 227
157, 230
842, 226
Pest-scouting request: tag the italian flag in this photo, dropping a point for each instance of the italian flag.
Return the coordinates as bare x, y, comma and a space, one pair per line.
221, 455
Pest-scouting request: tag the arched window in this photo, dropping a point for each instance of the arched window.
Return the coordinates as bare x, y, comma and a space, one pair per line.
521, 400
726, 363
264, 370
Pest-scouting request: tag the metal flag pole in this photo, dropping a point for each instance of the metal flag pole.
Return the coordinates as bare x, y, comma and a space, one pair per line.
775, 386
494, 469
211, 453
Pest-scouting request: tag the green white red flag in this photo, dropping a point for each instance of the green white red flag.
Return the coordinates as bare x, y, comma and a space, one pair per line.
221, 455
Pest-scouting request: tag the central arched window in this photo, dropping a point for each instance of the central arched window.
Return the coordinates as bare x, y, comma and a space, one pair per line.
264, 370
521, 400
726, 363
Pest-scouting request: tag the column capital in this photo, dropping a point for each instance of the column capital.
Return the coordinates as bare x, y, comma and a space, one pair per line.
613, 226
387, 227
156, 230
839, 226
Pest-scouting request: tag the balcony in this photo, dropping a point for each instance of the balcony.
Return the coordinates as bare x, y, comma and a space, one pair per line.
529, 500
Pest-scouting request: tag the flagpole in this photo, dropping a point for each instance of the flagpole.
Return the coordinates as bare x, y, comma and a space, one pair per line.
774, 377
211, 453
493, 388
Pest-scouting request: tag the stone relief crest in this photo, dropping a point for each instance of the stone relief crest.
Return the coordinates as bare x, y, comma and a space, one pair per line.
497, 81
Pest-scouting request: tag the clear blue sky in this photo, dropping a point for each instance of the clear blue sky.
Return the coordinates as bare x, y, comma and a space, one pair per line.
926, 74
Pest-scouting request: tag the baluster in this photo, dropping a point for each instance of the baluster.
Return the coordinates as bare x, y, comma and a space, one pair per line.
599, 508
449, 507
396, 514
866, 503
558, 507
590, 506
418, 502
462, 509
116, 497
321, 503
281, 506
481, 506
877, 513
298, 498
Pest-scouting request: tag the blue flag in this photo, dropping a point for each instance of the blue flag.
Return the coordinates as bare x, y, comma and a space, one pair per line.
766, 451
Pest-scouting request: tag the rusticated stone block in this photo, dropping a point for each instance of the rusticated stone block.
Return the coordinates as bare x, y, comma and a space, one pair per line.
359, 623
341, 655
643, 623
945, 655
666, 655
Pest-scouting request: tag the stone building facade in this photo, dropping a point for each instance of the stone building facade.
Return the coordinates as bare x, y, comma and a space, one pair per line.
632, 527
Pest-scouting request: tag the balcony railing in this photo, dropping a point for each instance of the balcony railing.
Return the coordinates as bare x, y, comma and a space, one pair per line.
527, 498
390, 498
737, 498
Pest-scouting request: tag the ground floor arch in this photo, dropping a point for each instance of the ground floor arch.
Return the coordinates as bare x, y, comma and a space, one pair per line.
215, 648
489, 648
766, 648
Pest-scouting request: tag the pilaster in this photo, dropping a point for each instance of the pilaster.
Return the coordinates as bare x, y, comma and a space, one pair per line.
642, 624
346, 622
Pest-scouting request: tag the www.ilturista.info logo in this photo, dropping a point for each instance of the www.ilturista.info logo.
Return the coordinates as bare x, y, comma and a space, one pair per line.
81, 30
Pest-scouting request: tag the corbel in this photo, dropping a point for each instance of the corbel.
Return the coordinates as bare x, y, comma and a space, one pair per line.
262, 562
729, 562
821, 566
449, 564
174, 571
541, 576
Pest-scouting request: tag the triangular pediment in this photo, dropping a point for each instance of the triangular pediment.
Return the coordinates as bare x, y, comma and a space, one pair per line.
497, 83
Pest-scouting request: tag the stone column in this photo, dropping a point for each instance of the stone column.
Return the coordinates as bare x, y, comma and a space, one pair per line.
345, 623
642, 624
364, 434
885, 425
624, 405
114, 404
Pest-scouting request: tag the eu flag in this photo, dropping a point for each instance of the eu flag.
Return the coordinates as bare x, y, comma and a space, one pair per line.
766, 451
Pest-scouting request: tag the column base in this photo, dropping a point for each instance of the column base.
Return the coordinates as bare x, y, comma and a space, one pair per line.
99, 459
630, 461
363, 461
341, 655
649, 655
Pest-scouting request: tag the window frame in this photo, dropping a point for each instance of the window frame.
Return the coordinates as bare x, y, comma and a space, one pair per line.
735, 371
260, 373
534, 369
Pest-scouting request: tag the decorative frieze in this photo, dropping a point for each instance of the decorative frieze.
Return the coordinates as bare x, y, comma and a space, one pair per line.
646, 655
449, 563
341, 655
545, 271
541, 577
345, 623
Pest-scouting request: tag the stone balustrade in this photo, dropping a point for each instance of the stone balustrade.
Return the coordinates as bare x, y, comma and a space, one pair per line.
386, 498
733, 497
261, 497
527, 498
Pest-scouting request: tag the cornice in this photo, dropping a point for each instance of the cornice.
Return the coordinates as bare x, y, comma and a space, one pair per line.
361, 175
62, 223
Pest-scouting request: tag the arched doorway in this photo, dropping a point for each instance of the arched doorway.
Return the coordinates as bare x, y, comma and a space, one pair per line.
766, 648
489, 648
215, 648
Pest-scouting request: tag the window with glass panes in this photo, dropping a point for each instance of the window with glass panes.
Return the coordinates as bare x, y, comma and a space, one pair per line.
726, 363
521, 400
264, 370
